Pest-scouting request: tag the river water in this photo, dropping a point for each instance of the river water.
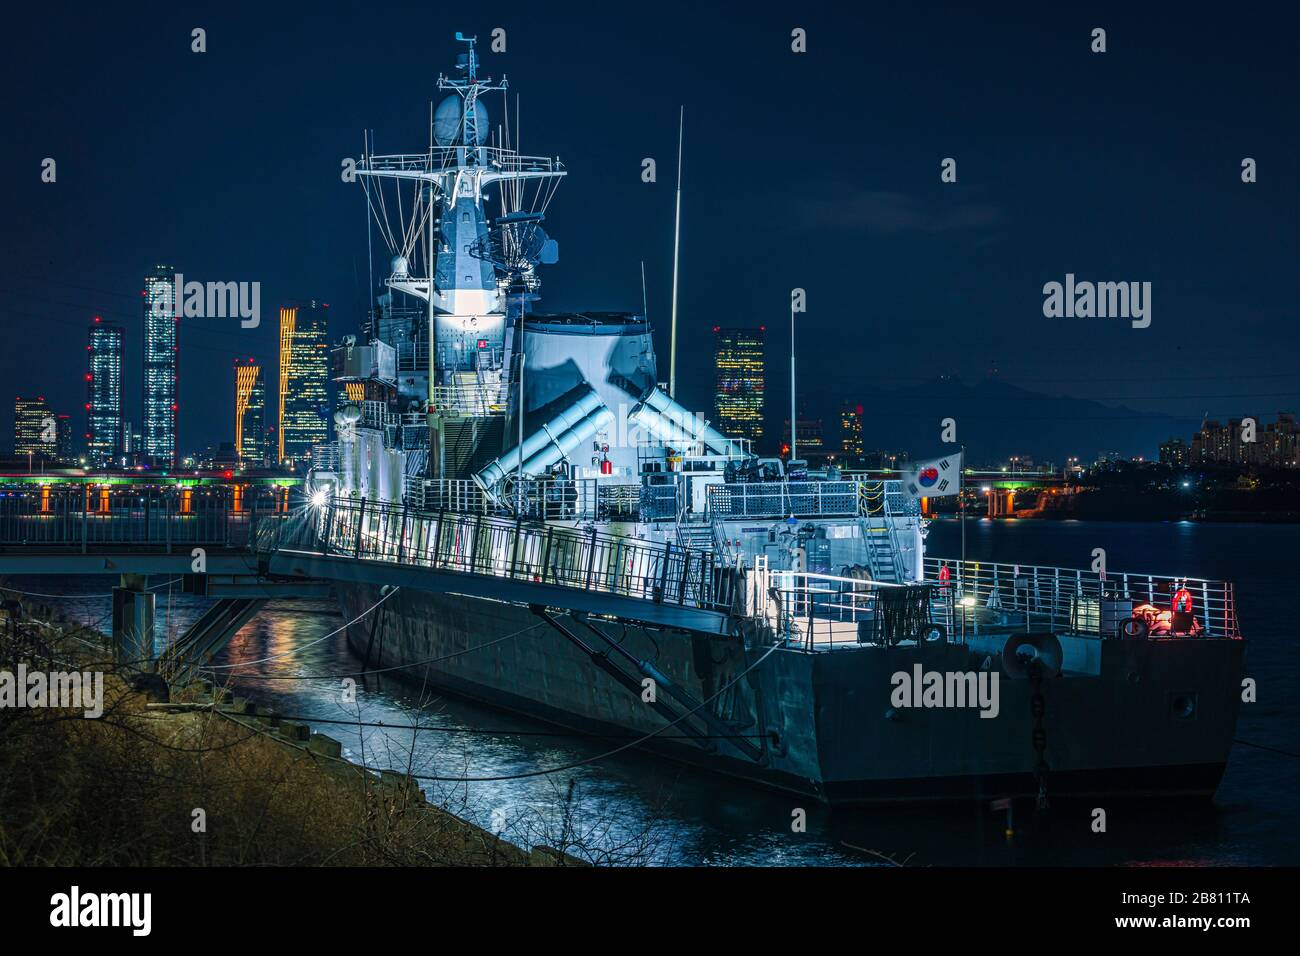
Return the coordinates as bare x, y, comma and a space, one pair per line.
632, 808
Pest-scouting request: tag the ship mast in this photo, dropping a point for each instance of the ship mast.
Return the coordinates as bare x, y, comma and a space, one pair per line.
443, 226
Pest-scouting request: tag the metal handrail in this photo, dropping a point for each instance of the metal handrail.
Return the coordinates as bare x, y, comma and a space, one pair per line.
507, 548
780, 499
83, 517
813, 611
439, 157
1082, 602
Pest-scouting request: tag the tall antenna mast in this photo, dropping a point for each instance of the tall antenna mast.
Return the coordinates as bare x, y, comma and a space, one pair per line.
645, 308
677, 238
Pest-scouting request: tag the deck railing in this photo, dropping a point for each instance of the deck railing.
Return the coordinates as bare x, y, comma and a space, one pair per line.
506, 548
584, 499
780, 499
978, 594
819, 611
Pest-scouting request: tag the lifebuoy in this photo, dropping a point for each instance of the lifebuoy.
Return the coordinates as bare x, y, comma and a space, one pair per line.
1183, 601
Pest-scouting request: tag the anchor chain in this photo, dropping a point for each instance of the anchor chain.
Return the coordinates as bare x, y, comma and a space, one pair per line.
1037, 708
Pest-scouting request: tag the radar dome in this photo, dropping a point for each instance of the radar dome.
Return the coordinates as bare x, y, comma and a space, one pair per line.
446, 122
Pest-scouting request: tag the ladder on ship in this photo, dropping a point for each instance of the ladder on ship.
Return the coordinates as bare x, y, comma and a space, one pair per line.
695, 536
884, 557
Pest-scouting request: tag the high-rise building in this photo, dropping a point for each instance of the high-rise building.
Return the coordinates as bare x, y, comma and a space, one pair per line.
63, 439
104, 392
161, 380
1247, 442
304, 372
738, 381
851, 431
35, 428
1174, 452
250, 414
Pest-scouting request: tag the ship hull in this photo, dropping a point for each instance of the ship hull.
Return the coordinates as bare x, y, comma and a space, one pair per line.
1141, 719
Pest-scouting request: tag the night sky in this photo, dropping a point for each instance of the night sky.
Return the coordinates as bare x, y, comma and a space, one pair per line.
818, 170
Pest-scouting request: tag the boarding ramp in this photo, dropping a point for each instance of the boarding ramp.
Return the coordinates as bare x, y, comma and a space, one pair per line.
487, 556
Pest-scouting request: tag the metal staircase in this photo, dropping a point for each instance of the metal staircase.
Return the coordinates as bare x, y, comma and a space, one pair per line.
695, 536
883, 558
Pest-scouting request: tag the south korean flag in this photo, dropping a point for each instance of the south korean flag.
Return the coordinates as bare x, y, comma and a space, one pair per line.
933, 479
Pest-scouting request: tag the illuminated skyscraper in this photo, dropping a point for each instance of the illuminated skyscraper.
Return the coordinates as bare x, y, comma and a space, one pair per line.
738, 377
304, 372
161, 381
851, 430
63, 439
104, 392
35, 428
250, 414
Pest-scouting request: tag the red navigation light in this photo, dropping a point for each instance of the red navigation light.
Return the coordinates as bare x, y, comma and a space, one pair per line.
859, 409
175, 407
98, 319
89, 377
228, 474
87, 406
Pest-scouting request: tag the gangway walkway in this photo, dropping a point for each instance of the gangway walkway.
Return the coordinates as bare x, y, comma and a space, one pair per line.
504, 559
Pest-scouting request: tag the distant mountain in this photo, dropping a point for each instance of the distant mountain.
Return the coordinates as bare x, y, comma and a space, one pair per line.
995, 420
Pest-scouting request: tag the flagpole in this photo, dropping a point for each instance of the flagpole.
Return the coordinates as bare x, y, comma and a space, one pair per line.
961, 511
961, 504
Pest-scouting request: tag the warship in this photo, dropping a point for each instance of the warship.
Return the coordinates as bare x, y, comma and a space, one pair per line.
780, 625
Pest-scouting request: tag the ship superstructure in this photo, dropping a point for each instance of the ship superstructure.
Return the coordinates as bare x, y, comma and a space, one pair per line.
482, 437
461, 395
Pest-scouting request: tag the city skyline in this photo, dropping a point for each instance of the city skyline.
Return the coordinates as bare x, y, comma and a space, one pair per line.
740, 372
